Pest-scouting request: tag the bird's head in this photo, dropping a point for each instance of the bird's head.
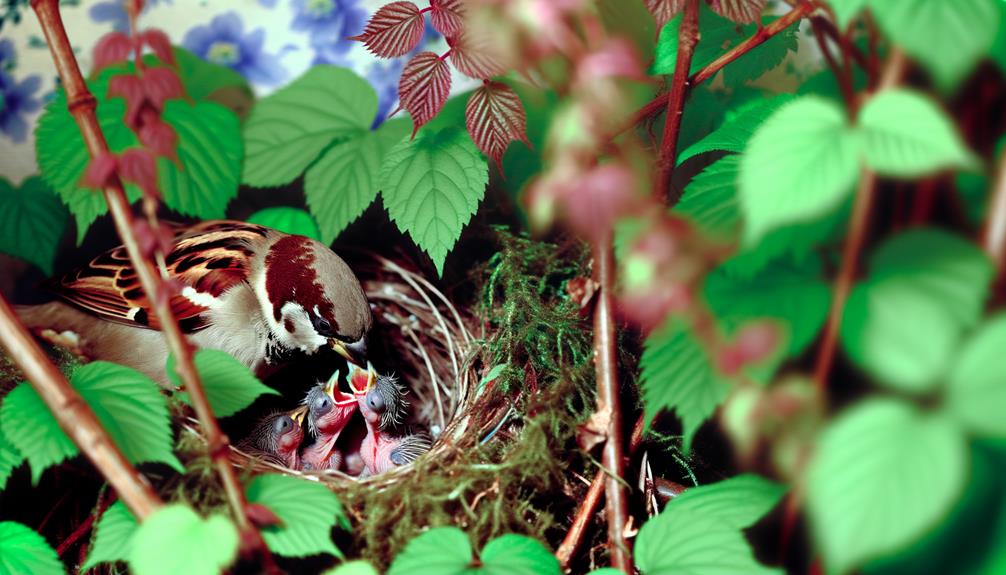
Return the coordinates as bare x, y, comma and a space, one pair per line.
310, 298
278, 434
381, 397
328, 408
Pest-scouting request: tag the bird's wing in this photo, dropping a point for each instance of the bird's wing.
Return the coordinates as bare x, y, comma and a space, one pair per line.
410, 448
207, 259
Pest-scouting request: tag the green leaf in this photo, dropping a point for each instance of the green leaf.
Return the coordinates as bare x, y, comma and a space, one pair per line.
203, 79
230, 386
797, 296
999, 46
906, 135
32, 430
976, 395
432, 186
289, 129
308, 510
738, 128
512, 554
764, 57
287, 220
846, 10
209, 149
175, 540
936, 279
359, 567
10, 458
345, 180
32, 221
948, 38
710, 199
883, 474
801, 163
439, 551
62, 155
717, 35
687, 541
678, 375
739, 501
113, 539
24, 551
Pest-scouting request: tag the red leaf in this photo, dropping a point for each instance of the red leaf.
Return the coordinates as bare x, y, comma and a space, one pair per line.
158, 136
664, 10
742, 11
495, 117
100, 171
474, 58
131, 89
160, 84
393, 30
423, 87
447, 16
137, 165
113, 48
160, 44
262, 517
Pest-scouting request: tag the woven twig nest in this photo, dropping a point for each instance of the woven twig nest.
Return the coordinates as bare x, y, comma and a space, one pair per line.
437, 359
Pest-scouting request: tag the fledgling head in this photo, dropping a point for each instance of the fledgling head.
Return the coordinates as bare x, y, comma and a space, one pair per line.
278, 436
329, 409
311, 298
381, 397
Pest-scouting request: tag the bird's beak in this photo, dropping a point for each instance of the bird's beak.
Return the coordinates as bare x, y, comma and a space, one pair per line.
362, 381
298, 415
338, 396
355, 352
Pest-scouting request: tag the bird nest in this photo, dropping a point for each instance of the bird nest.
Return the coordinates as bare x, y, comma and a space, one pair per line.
436, 356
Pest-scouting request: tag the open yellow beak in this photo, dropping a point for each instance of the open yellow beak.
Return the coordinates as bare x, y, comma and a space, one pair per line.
298, 415
365, 379
355, 352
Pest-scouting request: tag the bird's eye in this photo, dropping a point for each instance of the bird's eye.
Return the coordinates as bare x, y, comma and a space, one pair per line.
375, 402
322, 326
322, 405
283, 424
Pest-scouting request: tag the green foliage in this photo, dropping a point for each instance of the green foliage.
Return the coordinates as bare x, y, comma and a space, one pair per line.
344, 180
883, 474
128, 404
678, 375
176, 540
353, 568
230, 386
801, 163
113, 540
738, 127
24, 551
903, 322
700, 530
976, 393
204, 79
289, 129
432, 186
446, 551
846, 10
710, 199
906, 135
10, 458
32, 221
288, 220
307, 510
948, 38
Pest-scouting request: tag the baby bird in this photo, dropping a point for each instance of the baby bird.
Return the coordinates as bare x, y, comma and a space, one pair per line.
383, 404
328, 409
276, 438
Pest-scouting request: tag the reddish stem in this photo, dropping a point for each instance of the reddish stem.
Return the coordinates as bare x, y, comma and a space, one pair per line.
688, 37
994, 233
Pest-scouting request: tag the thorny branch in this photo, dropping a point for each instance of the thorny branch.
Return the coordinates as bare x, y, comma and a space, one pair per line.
688, 37
81, 104
74, 416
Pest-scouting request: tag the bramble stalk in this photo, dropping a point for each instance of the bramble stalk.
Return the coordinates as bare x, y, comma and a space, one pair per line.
608, 402
74, 416
994, 234
688, 37
81, 104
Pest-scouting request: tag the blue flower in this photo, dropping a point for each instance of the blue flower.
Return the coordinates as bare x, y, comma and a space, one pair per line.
114, 12
16, 100
329, 24
224, 42
384, 78
7, 55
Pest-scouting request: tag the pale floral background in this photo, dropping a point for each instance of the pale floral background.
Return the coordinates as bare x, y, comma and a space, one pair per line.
270, 42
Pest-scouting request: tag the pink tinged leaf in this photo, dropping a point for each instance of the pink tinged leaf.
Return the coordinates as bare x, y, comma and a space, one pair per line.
615, 59
743, 11
664, 10
423, 87
131, 89
112, 48
601, 196
158, 136
137, 165
161, 84
474, 58
495, 117
100, 171
447, 16
393, 30
160, 44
